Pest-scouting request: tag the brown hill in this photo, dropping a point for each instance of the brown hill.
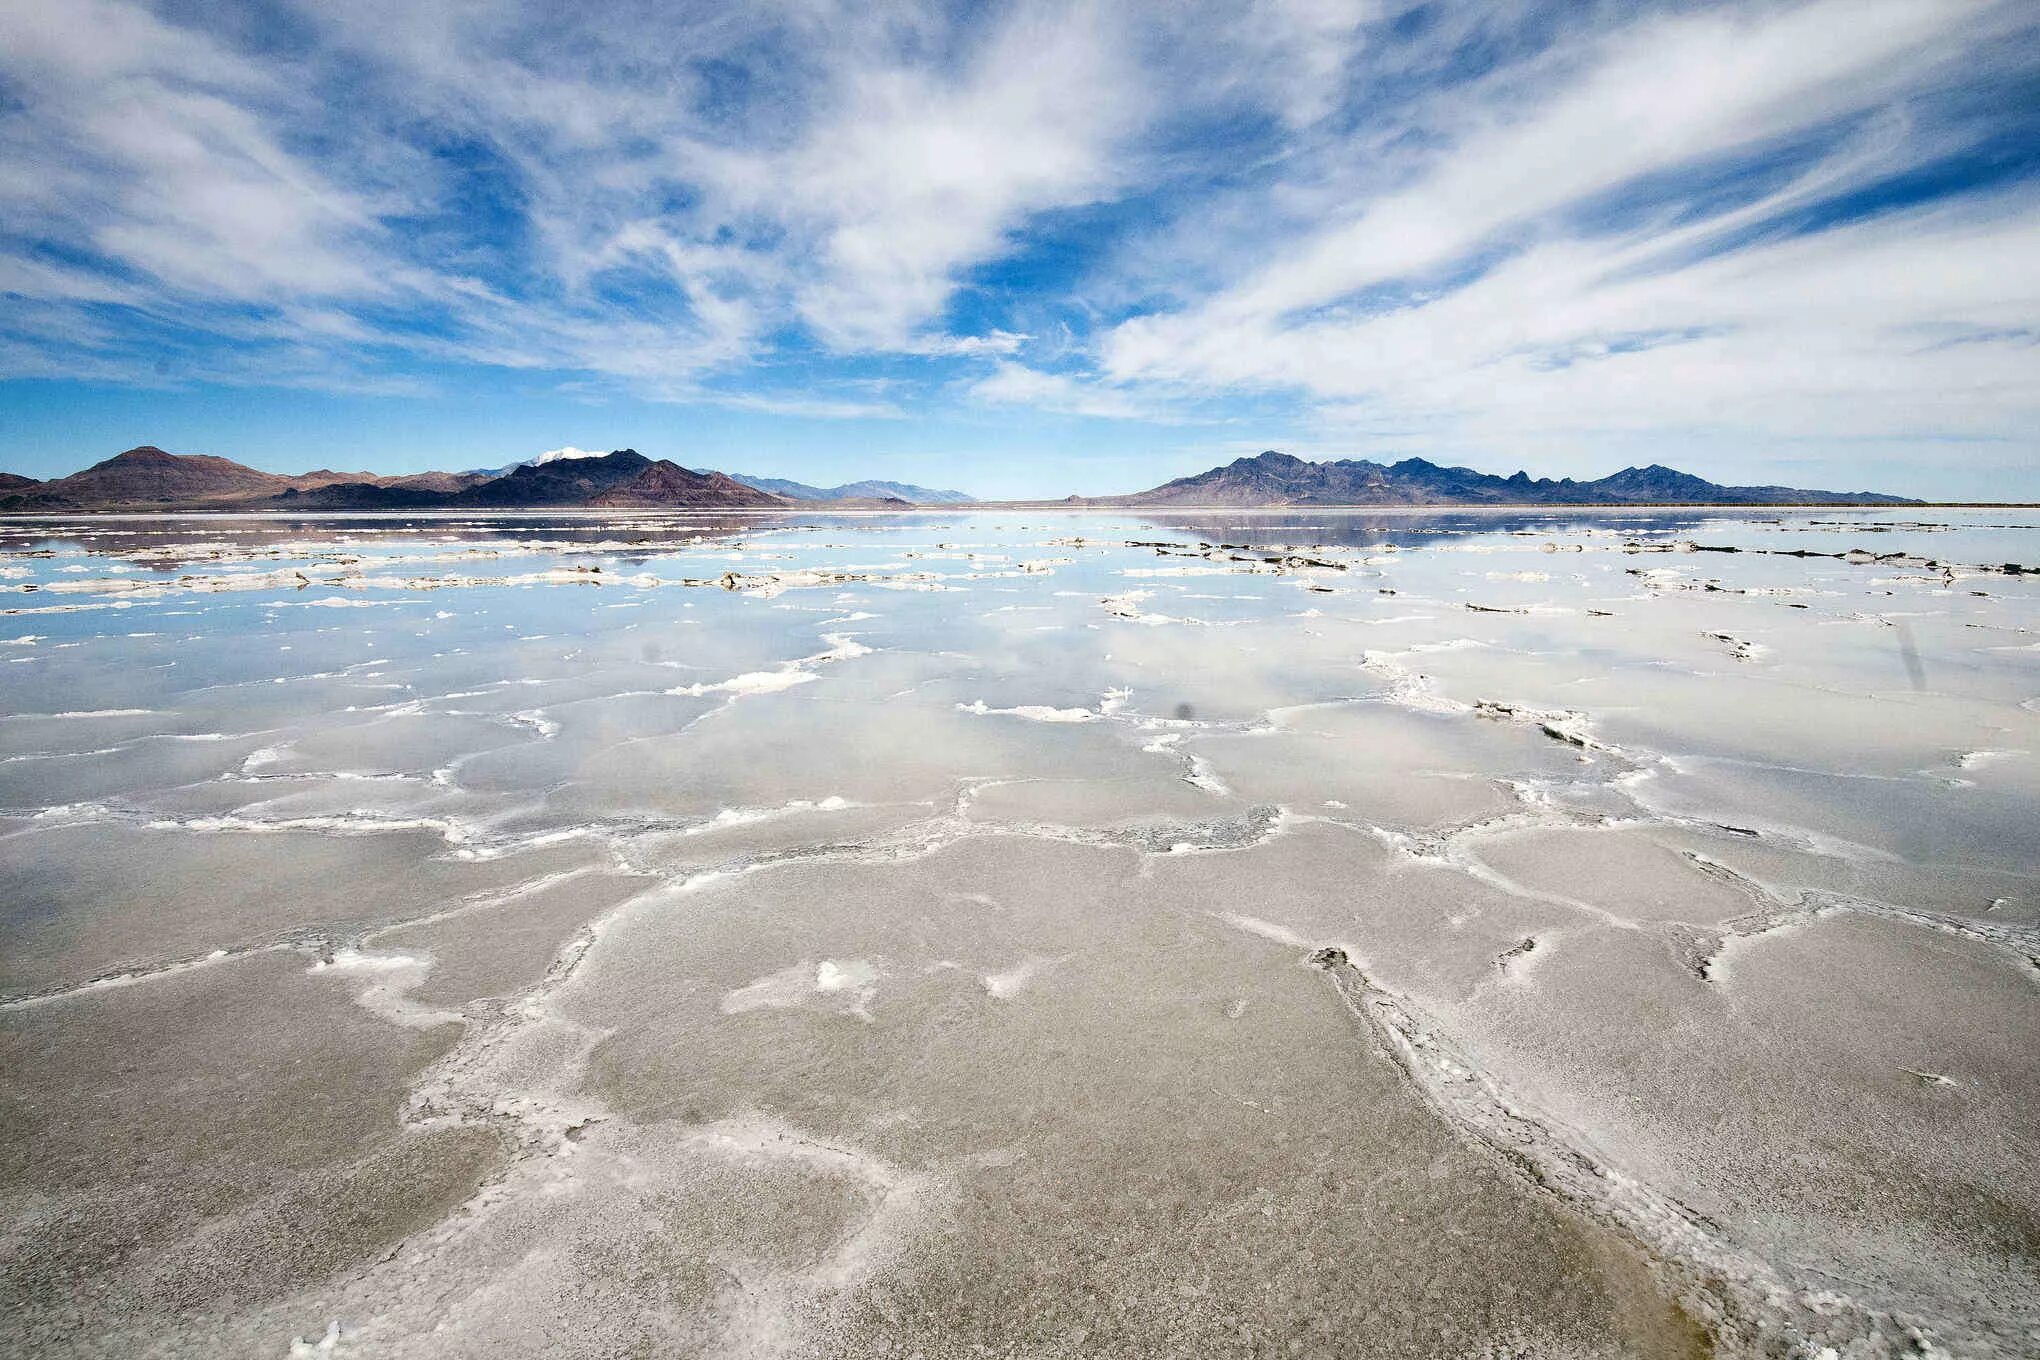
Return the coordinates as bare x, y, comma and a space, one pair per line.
147, 477
445, 482
667, 483
312, 481
623, 478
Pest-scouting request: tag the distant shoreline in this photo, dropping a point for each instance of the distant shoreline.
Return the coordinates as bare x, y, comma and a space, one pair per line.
982, 507
148, 480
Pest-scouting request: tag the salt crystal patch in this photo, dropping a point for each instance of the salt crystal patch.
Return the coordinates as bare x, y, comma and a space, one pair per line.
850, 984
1012, 980
1267, 930
751, 682
323, 1346
1031, 712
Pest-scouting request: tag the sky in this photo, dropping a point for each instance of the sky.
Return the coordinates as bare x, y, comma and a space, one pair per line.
1028, 249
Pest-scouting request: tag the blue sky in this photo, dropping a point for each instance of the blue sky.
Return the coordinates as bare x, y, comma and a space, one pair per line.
1028, 249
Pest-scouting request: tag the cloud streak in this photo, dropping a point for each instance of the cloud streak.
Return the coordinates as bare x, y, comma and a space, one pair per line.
1487, 303
1522, 232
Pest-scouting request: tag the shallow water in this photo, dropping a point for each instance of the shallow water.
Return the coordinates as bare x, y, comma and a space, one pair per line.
1549, 934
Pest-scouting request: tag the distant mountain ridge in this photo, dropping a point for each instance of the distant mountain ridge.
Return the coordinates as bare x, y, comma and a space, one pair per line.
872, 489
869, 489
148, 478
1273, 479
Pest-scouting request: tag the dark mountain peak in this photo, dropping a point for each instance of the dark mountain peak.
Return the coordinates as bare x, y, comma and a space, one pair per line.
567, 467
667, 483
1280, 479
140, 456
1655, 476
565, 481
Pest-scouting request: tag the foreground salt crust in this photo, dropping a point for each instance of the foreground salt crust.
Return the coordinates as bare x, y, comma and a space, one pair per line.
1355, 924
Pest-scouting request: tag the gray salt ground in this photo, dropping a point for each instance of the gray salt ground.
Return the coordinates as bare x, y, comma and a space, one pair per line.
900, 951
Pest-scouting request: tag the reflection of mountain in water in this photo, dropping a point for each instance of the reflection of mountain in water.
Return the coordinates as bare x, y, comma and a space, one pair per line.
1306, 526
636, 539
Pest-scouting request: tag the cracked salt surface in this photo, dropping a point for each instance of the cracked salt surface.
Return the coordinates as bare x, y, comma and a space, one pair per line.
493, 972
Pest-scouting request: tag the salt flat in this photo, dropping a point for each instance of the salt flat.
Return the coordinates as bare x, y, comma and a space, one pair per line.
1449, 934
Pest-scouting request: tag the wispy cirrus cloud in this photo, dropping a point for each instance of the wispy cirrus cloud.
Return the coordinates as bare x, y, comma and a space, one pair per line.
1698, 229
1523, 232
1018, 385
638, 228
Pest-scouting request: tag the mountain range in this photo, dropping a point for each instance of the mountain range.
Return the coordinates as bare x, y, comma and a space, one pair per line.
851, 491
147, 478
1273, 478
872, 490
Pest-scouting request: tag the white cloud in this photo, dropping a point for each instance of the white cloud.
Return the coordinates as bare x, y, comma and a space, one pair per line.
1303, 46
896, 151
806, 408
994, 342
1018, 385
919, 174
1573, 345
1658, 97
1315, 205
1924, 325
140, 144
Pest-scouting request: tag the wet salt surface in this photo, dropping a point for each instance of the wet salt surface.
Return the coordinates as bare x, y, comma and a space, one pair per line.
1003, 933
